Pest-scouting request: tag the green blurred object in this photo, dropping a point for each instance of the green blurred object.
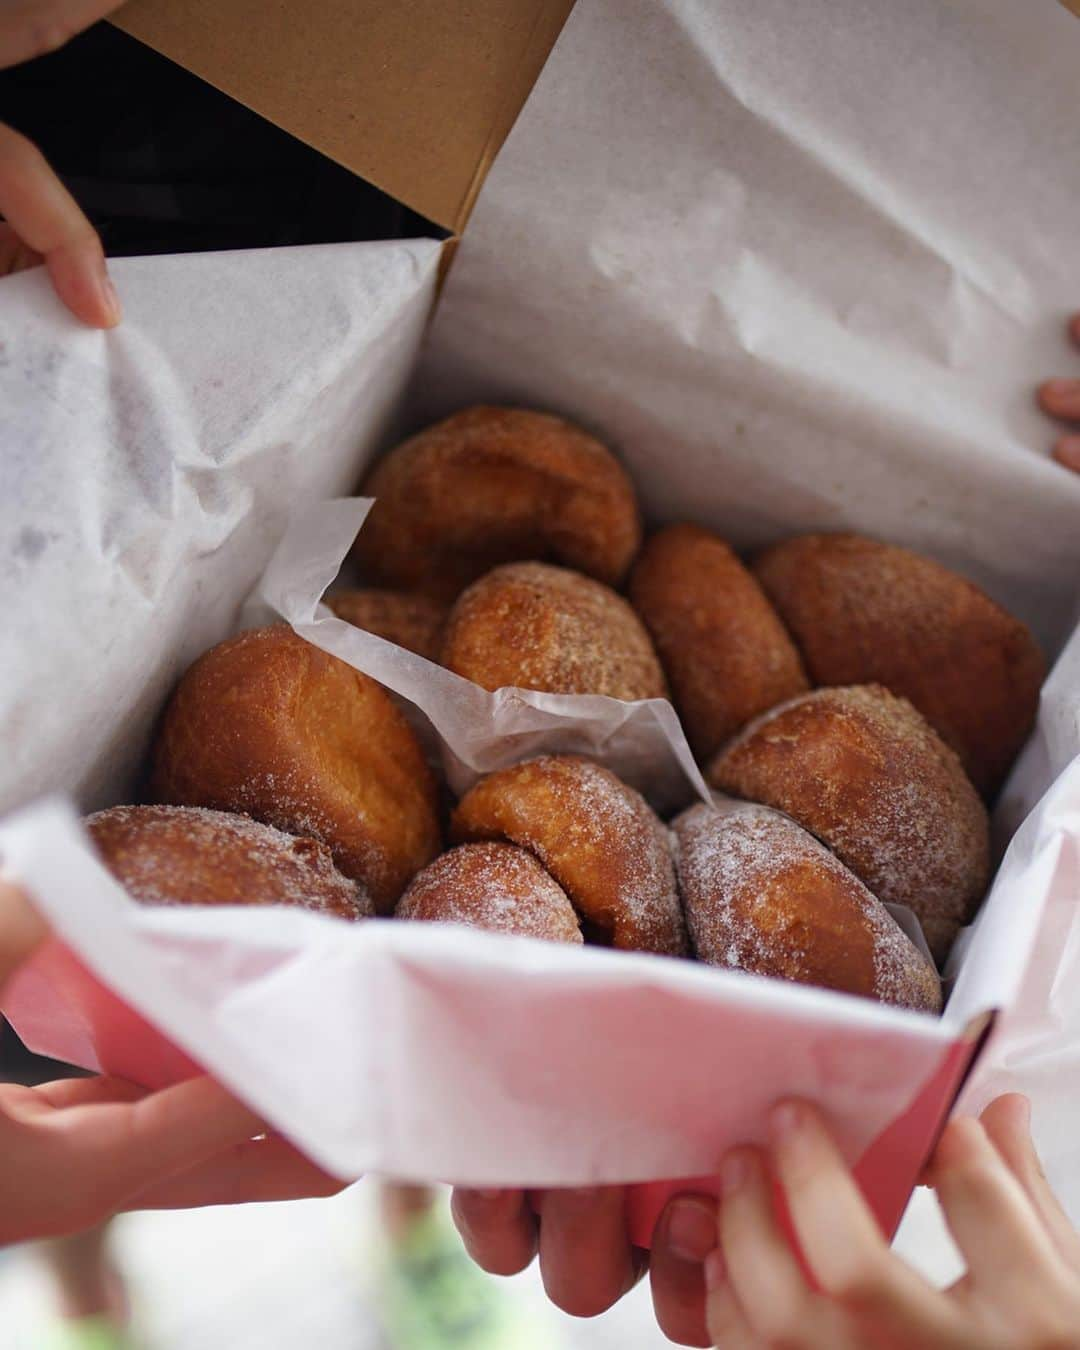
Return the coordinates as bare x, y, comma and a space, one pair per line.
87, 1333
430, 1296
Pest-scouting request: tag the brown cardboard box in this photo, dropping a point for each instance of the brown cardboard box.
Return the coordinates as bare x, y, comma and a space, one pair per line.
415, 97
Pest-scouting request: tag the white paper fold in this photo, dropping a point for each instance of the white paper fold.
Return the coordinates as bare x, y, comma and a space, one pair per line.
429, 1051
478, 731
146, 473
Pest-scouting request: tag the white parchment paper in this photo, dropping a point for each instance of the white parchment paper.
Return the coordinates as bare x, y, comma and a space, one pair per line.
477, 731
146, 474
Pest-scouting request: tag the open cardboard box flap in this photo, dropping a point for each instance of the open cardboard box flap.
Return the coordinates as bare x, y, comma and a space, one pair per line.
411, 96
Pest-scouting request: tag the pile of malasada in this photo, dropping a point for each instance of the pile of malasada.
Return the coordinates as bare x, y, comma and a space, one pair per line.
852, 704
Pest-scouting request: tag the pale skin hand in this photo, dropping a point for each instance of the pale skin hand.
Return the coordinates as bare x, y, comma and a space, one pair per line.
1021, 1292
74, 1152
42, 223
1022, 1286
1061, 399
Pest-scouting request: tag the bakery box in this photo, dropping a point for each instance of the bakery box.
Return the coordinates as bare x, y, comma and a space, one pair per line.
756, 254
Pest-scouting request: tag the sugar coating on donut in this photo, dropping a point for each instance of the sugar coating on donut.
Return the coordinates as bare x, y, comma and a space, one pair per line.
491, 485
763, 895
533, 626
268, 724
494, 886
864, 772
727, 656
189, 855
863, 612
598, 838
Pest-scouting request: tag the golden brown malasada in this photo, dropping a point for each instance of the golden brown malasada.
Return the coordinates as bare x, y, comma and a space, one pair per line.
271, 726
864, 612
540, 627
867, 774
495, 886
762, 895
186, 855
598, 838
414, 622
493, 485
726, 654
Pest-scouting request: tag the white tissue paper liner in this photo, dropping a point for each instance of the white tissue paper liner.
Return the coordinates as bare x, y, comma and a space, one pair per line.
431, 1051
477, 731
147, 473
761, 250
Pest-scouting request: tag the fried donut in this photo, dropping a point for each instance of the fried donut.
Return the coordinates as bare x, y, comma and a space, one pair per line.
761, 894
870, 613
494, 886
272, 726
414, 622
494, 485
185, 855
726, 654
540, 627
866, 773
598, 838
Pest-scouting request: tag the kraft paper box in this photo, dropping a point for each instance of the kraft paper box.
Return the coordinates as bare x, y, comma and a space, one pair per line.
801, 269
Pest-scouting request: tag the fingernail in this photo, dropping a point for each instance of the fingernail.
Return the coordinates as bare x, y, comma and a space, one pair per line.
691, 1229
488, 1196
786, 1120
733, 1172
1067, 452
109, 297
715, 1270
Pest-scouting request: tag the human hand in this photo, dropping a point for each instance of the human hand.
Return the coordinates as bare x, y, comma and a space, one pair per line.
41, 222
586, 1259
1021, 1291
1061, 399
1022, 1286
74, 1152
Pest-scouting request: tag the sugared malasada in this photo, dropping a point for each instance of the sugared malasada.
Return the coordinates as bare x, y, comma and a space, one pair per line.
598, 838
762, 895
414, 622
186, 855
493, 886
726, 654
535, 626
271, 726
868, 775
493, 485
865, 612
